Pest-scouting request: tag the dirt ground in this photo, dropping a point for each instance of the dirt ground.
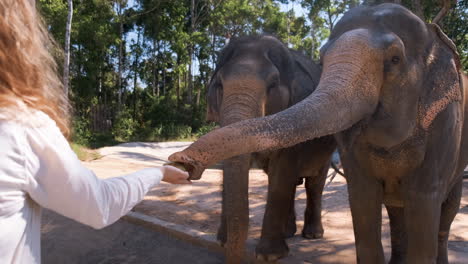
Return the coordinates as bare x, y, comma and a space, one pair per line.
199, 205
66, 241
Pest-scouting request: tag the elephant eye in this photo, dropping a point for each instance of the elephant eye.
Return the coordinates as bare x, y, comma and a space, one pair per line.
395, 59
272, 86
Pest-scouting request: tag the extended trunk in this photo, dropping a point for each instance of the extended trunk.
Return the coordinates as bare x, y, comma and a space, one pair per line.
347, 92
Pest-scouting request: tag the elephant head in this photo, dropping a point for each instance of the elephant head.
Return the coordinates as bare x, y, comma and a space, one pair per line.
386, 75
255, 76
258, 76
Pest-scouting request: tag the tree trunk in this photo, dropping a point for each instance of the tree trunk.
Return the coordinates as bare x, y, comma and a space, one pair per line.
312, 35
119, 81
189, 77
156, 82
213, 53
178, 81
135, 70
191, 47
330, 20
155, 68
186, 78
66, 63
104, 90
198, 98
164, 81
446, 5
178, 88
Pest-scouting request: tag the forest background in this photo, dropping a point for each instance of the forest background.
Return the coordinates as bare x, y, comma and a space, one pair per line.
138, 69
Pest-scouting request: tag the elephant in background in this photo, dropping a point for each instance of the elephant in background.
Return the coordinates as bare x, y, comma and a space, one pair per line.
258, 76
393, 94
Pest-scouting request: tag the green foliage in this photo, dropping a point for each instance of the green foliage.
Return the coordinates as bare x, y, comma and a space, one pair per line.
124, 126
83, 153
205, 129
174, 131
81, 134
455, 25
160, 55
84, 136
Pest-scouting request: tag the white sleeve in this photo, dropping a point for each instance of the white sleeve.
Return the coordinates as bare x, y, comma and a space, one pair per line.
60, 182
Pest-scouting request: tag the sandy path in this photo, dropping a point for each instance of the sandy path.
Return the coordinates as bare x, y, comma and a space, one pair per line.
199, 205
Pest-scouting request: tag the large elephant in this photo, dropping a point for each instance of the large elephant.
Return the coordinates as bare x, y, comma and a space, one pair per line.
392, 92
258, 76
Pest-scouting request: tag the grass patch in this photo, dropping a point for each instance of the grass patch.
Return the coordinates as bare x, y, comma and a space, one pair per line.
100, 140
85, 154
84, 145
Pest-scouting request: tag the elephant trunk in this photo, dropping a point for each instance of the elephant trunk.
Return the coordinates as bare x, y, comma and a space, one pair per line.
237, 106
348, 91
235, 206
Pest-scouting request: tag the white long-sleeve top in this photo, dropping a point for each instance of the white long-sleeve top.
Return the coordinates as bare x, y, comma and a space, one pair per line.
39, 169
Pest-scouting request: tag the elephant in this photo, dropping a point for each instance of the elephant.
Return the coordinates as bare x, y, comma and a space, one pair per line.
254, 77
393, 94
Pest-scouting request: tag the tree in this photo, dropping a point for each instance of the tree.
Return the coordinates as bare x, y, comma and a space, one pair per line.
139, 59
66, 63
323, 15
455, 25
121, 4
447, 4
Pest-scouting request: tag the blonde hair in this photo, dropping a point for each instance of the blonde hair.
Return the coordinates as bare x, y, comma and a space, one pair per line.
27, 69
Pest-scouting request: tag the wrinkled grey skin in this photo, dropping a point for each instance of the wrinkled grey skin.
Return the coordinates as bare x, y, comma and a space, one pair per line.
258, 76
397, 105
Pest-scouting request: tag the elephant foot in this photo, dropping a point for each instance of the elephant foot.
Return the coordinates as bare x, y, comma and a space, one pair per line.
397, 260
221, 236
290, 229
271, 250
442, 260
313, 231
290, 232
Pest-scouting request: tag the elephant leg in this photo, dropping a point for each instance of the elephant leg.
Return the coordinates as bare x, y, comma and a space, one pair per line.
222, 230
398, 234
291, 227
422, 217
449, 209
365, 197
281, 189
313, 214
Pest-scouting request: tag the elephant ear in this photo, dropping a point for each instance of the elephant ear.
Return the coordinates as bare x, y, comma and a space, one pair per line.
214, 98
442, 81
306, 77
214, 94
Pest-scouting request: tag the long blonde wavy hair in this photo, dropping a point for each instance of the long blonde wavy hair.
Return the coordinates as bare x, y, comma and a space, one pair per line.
28, 71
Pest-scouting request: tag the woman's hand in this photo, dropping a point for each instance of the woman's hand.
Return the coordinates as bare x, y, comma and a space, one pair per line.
174, 175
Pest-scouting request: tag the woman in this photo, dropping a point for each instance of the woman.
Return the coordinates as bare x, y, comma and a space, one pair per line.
37, 167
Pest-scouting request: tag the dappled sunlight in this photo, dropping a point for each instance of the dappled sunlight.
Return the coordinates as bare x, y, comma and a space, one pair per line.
198, 206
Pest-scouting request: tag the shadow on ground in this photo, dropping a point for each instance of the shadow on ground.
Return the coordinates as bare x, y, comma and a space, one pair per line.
198, 206
65, 241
